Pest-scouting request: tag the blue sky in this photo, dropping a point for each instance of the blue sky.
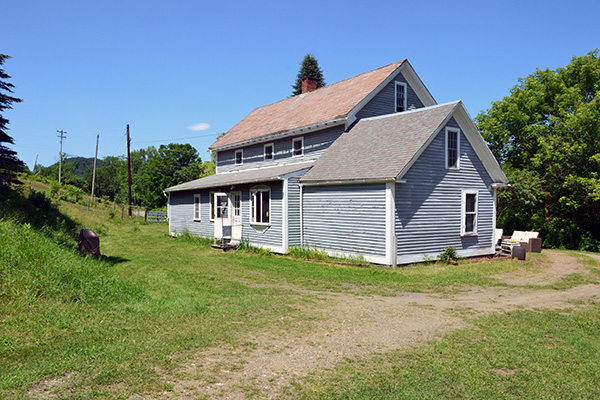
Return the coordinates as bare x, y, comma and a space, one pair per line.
91, 67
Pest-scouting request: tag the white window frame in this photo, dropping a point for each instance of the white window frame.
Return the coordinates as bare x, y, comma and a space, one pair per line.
405, 89
211, 203
457, 164
197, 207
241, 152
254, 195
464, 212
301, 140
272, 151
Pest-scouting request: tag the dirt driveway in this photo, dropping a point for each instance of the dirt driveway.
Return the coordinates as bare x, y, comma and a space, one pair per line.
361, 325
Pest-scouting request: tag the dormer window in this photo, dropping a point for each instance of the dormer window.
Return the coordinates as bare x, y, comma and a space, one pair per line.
297, 147
400, 96
269, 151
239, 157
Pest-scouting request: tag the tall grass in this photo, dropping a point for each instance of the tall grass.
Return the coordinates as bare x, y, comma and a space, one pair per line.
33, 266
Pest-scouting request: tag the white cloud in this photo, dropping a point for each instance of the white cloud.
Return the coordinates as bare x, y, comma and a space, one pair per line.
202, 126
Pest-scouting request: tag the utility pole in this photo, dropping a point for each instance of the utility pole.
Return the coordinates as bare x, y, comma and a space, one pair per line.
129, 167
61, 136
94, 173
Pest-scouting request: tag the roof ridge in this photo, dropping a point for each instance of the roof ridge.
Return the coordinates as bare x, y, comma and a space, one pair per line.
301, 95
416, 110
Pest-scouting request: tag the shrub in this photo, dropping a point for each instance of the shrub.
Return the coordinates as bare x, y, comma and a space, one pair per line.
449, 255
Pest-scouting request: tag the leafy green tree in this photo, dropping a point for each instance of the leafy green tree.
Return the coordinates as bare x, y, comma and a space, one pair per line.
309, 68
109, 177
171, 165
546, 135
9, 163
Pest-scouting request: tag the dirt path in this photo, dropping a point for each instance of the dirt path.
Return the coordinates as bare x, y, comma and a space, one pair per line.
361, 325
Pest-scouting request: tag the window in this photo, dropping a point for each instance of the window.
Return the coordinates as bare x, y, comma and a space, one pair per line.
297, 147
260, 205
212, 206
239, 156
269, 151
400, 96
469, 212
452, 148
196, 207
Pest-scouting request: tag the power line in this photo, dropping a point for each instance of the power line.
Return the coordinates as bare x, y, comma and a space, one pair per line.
61, 136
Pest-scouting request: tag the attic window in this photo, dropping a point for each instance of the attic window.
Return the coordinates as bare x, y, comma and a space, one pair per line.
400, 96
452, 148
269, 151
297, 147
239, 156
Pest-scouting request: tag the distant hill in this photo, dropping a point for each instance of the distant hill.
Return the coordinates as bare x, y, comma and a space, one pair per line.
82, 164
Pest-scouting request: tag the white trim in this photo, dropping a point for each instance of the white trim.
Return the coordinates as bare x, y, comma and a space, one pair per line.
301, 214
463, 212
235, 158
390, 226
405, 88
457, 131
495, 199
353, 182
272, 151
301, 140
285, 224
197, 212
283, 134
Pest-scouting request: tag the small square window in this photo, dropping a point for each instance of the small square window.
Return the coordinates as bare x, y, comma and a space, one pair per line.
269, 152
297, 147
239, 156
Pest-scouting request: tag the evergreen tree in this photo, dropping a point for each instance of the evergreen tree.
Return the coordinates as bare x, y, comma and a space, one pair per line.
9, 163
309, 68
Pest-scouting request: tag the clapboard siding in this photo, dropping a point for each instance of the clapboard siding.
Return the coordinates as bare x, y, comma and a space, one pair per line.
315, 143
345, 219
385, 101
181, 210
428, 206
293, 211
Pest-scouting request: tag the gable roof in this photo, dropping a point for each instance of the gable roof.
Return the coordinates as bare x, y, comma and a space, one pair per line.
328, 104
384, 148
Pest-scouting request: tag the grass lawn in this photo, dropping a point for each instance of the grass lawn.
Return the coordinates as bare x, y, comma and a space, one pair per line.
107, 328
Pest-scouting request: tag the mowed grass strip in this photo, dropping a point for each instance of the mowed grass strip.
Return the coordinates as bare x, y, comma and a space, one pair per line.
517, 355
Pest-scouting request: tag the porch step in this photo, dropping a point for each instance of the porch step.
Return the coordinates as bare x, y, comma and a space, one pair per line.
224, 246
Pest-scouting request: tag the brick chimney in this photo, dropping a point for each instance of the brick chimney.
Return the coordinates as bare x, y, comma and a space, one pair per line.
308, 85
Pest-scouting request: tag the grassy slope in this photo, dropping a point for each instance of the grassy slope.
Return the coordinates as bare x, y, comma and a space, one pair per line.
107, 325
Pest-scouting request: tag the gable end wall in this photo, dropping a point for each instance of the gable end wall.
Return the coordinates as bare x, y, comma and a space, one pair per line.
428, 206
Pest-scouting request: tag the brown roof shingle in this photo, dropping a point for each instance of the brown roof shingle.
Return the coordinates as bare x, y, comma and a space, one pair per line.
378, 148
324, 104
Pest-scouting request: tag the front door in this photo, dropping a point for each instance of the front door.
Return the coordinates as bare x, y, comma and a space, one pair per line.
236, 216
222, 216
228, 215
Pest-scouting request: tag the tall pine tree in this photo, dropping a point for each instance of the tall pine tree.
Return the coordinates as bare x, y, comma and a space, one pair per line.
9, 163
309, 68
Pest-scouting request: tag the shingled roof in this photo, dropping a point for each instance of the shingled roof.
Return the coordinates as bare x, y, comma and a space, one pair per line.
379, 148
324, 104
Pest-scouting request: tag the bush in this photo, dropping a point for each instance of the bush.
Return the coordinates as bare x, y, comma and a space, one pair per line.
449, 255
